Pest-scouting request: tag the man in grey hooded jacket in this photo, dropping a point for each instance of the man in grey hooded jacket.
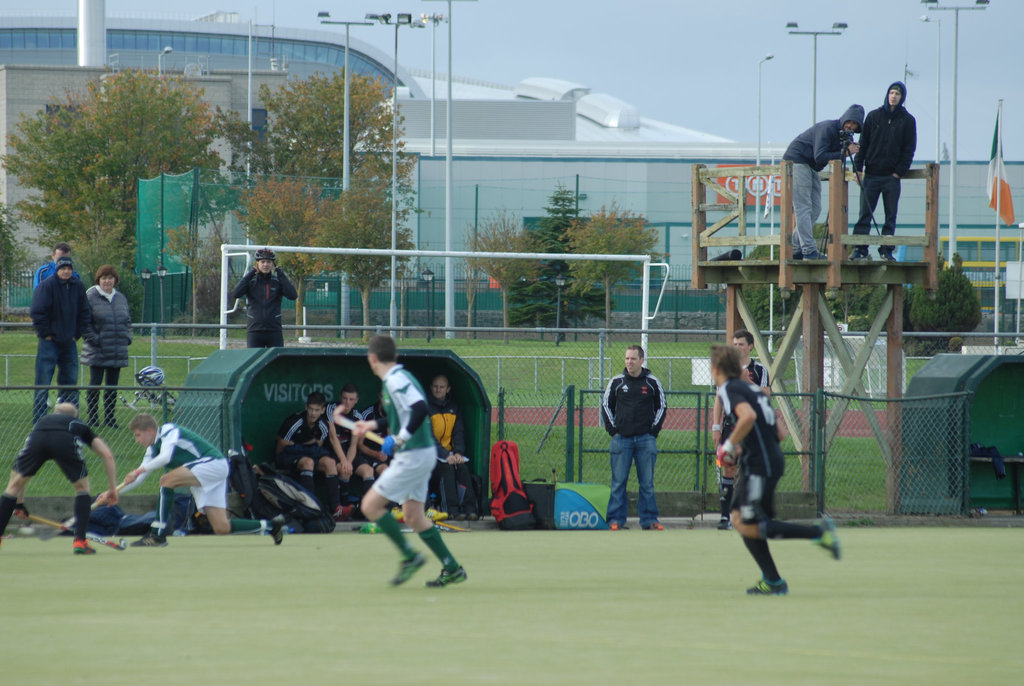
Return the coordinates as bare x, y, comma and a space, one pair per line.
810, 152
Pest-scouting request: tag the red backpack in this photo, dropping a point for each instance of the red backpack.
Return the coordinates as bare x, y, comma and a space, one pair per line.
509, 504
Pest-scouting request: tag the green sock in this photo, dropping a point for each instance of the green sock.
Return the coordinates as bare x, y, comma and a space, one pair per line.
247, 526
393, 530
432, 537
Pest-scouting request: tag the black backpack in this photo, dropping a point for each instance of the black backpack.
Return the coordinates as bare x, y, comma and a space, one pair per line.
243, 480
286, 496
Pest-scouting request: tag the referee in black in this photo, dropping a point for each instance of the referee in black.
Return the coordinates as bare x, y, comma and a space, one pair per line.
60, 437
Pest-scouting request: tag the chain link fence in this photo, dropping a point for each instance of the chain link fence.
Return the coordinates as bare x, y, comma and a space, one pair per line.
854, 455
897, 456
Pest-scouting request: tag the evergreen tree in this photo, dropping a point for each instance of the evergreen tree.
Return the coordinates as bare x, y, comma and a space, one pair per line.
533, 297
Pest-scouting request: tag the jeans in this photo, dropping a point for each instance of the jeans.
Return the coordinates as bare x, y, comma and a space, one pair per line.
643, 450
63, 357
889, 188
806, 207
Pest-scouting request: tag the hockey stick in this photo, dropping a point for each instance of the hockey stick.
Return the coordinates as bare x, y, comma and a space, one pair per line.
57, 528
342, 420
445, 526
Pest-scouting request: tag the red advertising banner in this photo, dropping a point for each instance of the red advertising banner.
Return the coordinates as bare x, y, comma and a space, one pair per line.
762, 184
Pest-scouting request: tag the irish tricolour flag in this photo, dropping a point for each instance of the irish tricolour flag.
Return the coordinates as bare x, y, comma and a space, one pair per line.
998, 189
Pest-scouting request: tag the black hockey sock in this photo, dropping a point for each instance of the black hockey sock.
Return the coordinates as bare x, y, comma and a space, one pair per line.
306, 480
343, 490
7, 503
776, 529
725, 496
82, 502
763, 557
331, 486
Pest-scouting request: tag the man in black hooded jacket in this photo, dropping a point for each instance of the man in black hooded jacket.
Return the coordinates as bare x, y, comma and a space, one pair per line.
887, 147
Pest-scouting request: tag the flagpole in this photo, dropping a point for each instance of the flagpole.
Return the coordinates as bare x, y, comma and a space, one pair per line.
1020, 268
996, 190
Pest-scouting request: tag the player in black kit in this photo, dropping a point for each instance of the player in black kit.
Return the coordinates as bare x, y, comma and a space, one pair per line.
60, 437
754, 445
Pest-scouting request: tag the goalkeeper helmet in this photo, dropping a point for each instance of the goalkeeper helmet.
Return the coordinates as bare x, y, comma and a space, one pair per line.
265, 254
150, 376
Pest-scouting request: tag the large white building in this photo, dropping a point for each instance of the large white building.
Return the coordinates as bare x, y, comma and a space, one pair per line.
513, 145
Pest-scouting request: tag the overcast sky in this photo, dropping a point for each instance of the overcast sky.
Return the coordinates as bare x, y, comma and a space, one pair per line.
694, 63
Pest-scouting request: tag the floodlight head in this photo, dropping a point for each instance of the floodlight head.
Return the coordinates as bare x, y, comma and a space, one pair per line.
161, 271
382, 18
403, 18
840, 25
167, 49
145, 274
792, 25
767, 57
980, 2
929, 2
323, 15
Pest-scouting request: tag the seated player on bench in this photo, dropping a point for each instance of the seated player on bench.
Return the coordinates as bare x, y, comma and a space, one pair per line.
300, 449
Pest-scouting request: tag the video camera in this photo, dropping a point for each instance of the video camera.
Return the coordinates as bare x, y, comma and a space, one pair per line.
845, 138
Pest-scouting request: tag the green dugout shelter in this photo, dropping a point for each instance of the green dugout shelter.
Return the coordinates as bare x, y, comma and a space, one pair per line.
994, 416
268, 384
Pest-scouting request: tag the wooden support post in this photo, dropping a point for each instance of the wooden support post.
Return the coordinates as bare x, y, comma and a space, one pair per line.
786, 224
894, 390
838, 222
733, 321
813, 372
931, 226
698, 226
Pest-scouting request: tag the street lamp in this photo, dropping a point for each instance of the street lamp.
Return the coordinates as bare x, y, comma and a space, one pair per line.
938, 84
401, 19
757, 208
434, 19
325, 19
836, 30
145, 275
160, 59
933, 6
449, 272
428, 277
161, 271
559, 282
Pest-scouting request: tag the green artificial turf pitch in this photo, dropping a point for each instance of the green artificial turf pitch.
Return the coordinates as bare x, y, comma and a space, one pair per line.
904, 606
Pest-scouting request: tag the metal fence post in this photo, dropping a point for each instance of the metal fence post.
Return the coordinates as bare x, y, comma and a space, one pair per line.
152, 346
501, 414
570, 448
600, 359
818, 449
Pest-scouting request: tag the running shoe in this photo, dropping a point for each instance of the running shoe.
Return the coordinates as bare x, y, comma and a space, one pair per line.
407, 569
763, 587
829, 539
448, 577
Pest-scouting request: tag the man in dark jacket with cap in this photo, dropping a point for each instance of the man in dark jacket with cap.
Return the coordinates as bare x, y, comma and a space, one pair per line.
60, 315
263, 286
810, 152
887, 148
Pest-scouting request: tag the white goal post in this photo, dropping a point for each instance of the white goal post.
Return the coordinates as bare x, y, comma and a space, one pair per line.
227, 250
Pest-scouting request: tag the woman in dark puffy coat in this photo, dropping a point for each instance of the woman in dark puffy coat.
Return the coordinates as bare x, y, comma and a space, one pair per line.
112, 329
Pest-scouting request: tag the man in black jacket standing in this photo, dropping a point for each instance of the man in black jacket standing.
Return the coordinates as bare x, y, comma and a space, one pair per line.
60, 316
263, 286
887, 148
633, 411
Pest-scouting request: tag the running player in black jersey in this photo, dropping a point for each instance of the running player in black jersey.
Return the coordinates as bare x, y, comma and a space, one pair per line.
754, 445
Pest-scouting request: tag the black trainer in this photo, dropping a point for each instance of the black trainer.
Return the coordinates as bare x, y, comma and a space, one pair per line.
150, 540
860, 254
277, 528
448, 577
886, 254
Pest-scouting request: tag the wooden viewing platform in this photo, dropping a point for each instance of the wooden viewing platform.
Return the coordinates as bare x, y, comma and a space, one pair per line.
814, 280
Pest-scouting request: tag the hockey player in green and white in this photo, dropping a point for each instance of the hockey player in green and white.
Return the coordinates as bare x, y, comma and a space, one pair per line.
188, 460
406, 479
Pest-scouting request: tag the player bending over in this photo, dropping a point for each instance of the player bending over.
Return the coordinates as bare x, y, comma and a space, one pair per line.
754, 446
405, 480
188, 460
60, 437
